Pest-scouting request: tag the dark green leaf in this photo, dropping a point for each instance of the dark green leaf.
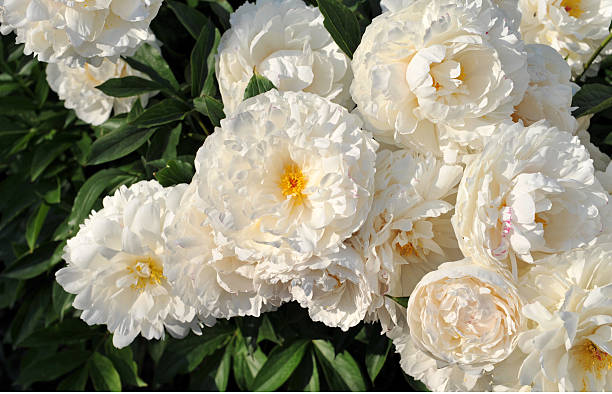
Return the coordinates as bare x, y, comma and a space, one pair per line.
164, 112
123, 360
376, 354
128, 86
35, 223
61, 300
246, 365
341, 24
32, 264
211, 108
175, 172
65, 332
403, 301
135, 112
202, 57
257, 84
34, 317
13, 105
281, 363
103, 374
45, 154
266, 331
306, 376
149, 60
156, 349
118, 143
76, 381
192, 19
341, 371
592, 98
51, 367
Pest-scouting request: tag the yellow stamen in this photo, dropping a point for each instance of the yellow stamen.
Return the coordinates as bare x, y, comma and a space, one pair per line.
148, 271
292, 183
407, 250
592, 358
572, 7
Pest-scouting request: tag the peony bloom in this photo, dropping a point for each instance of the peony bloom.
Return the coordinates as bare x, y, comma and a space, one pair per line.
437, 76
532, 192
285, 41
115, 266
76, 32
550, 91
575, 28
206, 274
288, 176
408, 232
569, 347
600, 159
77, 87
465, 315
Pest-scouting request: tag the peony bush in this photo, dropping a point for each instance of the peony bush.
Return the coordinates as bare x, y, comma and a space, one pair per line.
306, 195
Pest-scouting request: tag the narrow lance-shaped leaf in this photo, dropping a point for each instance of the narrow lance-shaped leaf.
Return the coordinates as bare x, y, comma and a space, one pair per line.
257, 84
592, 98
149, 60
128, 86
204, 46
103, 374
281, 363
211, 108
164, 112
192, 19
341, 24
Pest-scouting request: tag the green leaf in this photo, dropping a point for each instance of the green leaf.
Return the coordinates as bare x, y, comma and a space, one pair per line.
135, 111
202, 57
65, 332
52, 367
592, 98
103, 374
14, 105
123, 360
33, 263
35, 224
128, 86
213, 372
61, 300
341, 371
118, 143
306, 376
192, 19
257, 84
281, 363
166, 111
223, 372
46, 153
266, 331
246, 365
376, 354
149, 60
211, 108
33, 317
76, 381
175, 172
341, 24
403, 301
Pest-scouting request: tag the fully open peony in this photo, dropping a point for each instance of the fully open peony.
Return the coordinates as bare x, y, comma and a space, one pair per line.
77, 87
285, 41
438, 75
115, 266
531, 193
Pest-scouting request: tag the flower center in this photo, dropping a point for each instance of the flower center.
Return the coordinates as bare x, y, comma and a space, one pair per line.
292, 183
593, 358
148, 271
572, 7
407, 250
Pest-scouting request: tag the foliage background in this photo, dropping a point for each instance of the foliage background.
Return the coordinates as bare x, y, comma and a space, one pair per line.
54, 169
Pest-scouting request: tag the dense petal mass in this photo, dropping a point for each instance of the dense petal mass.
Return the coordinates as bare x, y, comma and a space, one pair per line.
289, 176
285, 41
437, 76
115, 266
77, 87
76, 32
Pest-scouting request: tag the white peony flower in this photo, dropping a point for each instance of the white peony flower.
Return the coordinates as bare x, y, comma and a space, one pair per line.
437, 76
569, 347
550, 91
285, 41
76, 32
288, 176
575, 28
77, 87
206, 273
600, 159
408, 232
532, 192
465, 315
115, 266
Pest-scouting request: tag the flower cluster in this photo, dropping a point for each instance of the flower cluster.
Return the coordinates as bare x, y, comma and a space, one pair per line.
442, 163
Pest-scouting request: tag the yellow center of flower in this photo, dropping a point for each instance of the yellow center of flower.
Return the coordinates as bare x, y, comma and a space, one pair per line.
148, 271
572, 7
592, 358
407, 250
292, 183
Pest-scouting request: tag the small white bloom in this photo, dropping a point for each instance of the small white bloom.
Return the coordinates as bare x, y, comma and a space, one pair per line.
465, 315
550, 91
437, 76
79, 31
285, 41
77, 87
115, 266
575, 28
206, 274
408, 232
288, 176
532, 192
569, 347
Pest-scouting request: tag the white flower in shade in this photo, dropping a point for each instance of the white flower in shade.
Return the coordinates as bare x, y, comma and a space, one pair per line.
569, 347
79, 31
285, 41
115, 266
77, 87
465, 315
575, 28
437, 76
288, 176
550, 91
408, 232
532, 192
206, 273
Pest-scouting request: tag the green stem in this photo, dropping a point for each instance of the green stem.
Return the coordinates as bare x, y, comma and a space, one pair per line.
594, 56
